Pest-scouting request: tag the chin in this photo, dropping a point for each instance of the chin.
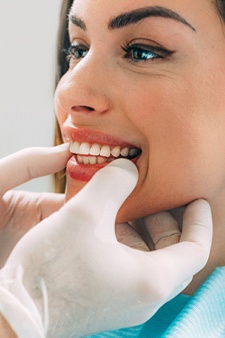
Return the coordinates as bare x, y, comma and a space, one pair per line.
133, 208
135, 205
73, 187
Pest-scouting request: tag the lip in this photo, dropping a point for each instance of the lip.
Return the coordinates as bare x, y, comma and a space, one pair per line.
82, 172
72, 134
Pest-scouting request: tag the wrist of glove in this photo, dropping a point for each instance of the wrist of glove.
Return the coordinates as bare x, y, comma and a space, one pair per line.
19, 309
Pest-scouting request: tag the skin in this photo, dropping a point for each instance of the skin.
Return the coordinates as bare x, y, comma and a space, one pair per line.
5, 330
171, 107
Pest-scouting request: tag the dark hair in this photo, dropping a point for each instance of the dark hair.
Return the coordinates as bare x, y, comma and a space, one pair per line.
63, 40
62, 66
220, 5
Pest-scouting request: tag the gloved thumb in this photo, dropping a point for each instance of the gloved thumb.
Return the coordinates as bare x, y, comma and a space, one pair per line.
102, 197
31, 163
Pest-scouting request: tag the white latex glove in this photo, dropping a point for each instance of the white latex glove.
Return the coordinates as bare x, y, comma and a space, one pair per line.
21, 210
70, 277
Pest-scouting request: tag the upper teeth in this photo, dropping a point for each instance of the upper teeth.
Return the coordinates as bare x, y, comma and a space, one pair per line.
84, 148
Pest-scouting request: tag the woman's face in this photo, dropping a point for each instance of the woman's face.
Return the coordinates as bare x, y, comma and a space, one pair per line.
146, 78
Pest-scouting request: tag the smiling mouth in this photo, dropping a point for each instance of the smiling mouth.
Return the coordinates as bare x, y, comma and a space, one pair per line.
99, 154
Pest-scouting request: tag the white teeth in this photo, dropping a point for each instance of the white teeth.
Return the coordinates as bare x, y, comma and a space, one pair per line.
95, 149
80, 158
97, 154
93, 159
84, 148
101, 160
74, 147
116, 151
124, 152
105, 151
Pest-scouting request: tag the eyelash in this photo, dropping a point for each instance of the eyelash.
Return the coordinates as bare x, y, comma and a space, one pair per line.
73, 49
136, 53
143, 53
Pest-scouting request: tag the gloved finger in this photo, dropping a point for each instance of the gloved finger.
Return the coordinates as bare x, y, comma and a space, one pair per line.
42, 204
50, 203
99, 201
127, 235
163, 229
174, 266
30, 163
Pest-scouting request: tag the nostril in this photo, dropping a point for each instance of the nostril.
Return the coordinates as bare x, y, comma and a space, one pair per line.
82, 109
89, 108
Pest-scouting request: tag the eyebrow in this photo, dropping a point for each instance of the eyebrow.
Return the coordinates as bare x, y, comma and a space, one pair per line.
76, 21
137, 15
134, 17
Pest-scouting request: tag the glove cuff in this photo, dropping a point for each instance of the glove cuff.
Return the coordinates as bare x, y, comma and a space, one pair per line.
18, 316
18, 308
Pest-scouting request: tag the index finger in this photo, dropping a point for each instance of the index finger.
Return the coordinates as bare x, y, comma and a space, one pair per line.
177, 264
163, 229
30, 163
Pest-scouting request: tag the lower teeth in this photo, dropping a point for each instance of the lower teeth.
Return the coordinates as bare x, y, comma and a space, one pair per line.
101, 160
91, 159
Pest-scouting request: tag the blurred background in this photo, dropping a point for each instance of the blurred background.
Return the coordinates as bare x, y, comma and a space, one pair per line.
28, 30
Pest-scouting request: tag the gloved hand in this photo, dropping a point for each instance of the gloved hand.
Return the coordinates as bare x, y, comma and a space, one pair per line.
21, 210
69, 276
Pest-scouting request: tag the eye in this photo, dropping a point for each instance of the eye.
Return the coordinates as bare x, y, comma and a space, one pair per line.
139, 53
76, 51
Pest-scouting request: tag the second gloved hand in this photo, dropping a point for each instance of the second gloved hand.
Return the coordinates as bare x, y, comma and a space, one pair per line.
69, 276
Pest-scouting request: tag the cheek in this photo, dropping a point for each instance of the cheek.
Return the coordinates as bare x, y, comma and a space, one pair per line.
185, 150
59, 111
155, 102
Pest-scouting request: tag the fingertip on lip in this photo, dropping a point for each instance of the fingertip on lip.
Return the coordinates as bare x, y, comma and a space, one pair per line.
63, 147
62, 152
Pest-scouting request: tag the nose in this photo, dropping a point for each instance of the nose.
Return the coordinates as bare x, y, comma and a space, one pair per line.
83, 89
